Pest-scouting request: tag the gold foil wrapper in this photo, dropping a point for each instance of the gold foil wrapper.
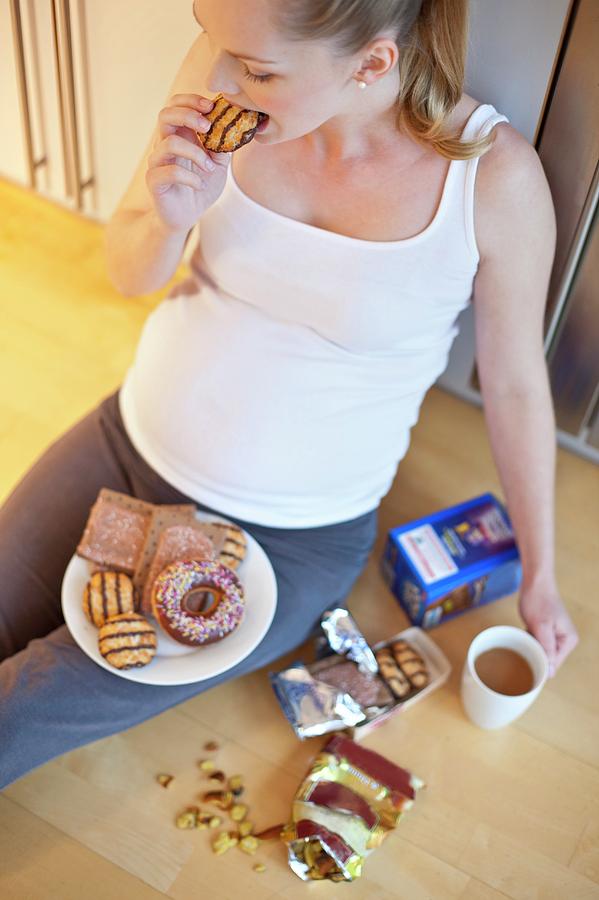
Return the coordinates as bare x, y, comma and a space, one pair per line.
349, 801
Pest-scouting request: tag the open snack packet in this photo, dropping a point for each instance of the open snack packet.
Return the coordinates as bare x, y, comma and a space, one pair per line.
354, 687
346, 805
337, 692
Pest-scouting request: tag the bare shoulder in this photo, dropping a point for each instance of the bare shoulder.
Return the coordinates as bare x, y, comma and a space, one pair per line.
512, 198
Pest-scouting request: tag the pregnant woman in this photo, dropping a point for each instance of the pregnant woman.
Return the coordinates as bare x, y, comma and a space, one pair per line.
279, 383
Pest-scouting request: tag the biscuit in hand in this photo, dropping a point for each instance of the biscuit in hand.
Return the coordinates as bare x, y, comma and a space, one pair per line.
231, 126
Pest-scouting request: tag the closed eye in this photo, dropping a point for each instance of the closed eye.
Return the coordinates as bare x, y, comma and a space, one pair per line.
254, 77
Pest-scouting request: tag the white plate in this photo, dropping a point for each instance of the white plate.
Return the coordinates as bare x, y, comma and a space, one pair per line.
178, 663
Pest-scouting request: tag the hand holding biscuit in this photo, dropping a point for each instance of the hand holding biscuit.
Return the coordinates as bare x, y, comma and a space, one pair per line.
183, 177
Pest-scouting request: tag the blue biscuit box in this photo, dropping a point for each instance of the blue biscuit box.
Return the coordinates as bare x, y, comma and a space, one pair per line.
449, 562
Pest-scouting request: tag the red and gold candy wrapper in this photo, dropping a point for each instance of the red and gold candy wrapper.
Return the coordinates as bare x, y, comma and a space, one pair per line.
346, 805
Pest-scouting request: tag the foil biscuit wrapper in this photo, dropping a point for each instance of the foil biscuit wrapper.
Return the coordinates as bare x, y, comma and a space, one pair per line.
311, 706
349, 801
315, 707
346, 639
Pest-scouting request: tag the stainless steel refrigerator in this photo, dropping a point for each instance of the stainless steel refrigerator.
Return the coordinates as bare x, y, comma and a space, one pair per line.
567, 141
569, 150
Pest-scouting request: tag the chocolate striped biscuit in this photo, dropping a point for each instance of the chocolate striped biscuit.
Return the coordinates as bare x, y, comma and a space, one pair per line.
392, 674
411, 663
231, 128
235, 544
127, 641
107, 594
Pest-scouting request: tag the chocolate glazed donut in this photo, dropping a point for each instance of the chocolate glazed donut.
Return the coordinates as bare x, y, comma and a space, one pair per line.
198, 602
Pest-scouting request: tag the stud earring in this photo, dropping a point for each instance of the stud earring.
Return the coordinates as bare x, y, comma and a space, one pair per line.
362, 85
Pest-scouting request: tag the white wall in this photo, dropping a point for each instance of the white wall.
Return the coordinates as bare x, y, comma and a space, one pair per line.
513, 44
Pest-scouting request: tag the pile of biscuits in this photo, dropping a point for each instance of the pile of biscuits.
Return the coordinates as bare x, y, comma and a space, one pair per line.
129, 543
402, 668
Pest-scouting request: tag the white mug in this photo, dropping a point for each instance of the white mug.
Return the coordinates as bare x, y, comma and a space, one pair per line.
484, 706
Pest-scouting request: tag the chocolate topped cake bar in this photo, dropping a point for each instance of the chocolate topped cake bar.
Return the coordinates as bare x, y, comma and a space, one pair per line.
367, 689
185, 540
115, 531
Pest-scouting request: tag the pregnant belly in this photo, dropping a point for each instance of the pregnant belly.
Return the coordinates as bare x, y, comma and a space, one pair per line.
243, 401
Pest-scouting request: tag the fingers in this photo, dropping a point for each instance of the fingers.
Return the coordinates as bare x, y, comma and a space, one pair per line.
172, 118
567, 639
558, 639
161, 178
204, 104
219, 159
175, 146
544, 632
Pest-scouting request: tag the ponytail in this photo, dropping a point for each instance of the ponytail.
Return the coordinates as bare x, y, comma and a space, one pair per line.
431, 75
432, 37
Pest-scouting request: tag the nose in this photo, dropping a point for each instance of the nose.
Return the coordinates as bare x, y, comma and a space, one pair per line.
219, 78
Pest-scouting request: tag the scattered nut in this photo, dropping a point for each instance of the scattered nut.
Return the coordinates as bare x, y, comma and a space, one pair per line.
239, 812
249, 844
217, 777
221, 799
188, 818
224, 842
320, 863
211, 746
204, 819
269, 833
193, 817
236, 784
325, 866
311, 853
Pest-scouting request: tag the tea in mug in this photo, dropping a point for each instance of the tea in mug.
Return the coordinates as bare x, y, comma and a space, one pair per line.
504, 671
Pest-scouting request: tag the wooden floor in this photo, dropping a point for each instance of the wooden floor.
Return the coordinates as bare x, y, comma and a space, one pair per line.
513, 813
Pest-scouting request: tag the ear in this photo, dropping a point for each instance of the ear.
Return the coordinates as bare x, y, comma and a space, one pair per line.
378, 59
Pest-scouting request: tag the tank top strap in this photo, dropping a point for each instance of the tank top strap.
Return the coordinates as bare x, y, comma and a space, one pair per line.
483, 119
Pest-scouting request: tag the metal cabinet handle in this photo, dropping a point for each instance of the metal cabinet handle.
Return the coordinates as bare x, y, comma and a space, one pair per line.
19, 46
61, 20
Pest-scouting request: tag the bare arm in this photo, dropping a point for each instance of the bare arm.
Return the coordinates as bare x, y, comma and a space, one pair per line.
141, 254
516, 238
144, 248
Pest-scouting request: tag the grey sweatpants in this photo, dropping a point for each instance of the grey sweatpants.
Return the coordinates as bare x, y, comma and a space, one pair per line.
53, 697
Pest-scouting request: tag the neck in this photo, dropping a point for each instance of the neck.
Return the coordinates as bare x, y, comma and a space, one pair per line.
360, 131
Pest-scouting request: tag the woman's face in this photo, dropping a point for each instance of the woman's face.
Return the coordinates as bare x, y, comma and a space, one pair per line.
300, 85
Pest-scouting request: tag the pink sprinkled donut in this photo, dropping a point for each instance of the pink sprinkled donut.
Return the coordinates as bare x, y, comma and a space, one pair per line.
198, 601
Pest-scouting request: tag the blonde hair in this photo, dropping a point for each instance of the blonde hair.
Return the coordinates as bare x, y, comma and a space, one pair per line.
432, 37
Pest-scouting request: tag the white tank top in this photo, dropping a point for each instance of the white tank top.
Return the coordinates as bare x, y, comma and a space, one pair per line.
279, 383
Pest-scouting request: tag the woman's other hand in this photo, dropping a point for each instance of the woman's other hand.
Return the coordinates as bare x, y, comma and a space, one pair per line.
547, 619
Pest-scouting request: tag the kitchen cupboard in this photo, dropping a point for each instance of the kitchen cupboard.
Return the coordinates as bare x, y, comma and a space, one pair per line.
82, 82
